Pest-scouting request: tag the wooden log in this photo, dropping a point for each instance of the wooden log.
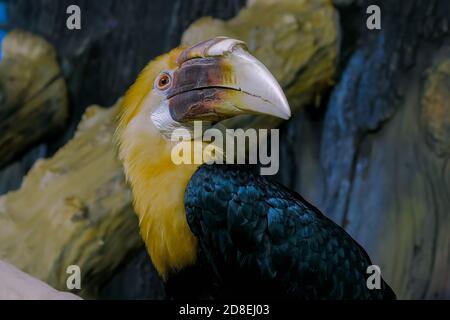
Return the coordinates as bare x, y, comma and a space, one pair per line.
33, 95
72, 209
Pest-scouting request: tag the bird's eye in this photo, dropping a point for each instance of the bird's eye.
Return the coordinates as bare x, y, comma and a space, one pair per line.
163, 81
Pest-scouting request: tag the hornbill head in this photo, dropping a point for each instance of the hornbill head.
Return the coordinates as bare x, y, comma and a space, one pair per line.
211, 81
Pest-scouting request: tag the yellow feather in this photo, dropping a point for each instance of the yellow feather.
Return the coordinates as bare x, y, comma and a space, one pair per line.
158, 184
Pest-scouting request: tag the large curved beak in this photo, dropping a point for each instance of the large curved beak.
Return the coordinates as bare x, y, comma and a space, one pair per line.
218, 79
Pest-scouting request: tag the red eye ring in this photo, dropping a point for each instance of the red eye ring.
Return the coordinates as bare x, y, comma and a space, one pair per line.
163, 81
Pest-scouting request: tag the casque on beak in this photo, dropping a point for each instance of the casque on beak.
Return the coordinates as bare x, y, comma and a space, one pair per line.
218, 79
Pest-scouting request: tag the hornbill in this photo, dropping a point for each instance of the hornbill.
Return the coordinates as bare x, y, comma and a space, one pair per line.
215, 231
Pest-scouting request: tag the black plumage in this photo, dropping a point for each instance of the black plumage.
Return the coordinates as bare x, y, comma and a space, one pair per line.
259, 239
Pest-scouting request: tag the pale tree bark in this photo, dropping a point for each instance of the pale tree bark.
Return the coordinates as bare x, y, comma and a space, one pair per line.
33, 94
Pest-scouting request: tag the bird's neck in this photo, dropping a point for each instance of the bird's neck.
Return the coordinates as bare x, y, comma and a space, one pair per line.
158, 186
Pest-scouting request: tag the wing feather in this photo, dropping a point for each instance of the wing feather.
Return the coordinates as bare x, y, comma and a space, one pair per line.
267, 240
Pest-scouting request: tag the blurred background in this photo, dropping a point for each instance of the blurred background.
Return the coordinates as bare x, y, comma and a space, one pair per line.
369, 142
